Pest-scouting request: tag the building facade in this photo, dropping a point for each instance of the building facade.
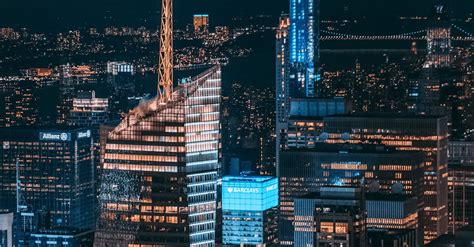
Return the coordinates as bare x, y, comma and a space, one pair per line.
160, 170
304, 47
20, 104
282, 93
88, 110
249, 211
426, 134
62, 237
383, 169
331, 216
56, 173
461, 184
438, 39
6, 229
201, 23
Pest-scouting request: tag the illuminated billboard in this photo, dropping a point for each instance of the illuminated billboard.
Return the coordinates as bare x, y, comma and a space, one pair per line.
249, 193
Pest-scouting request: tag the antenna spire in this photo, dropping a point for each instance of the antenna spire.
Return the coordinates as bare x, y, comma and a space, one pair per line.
165, 63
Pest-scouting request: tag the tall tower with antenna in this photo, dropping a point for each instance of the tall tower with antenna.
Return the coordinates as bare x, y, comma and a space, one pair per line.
165, 63
160, 165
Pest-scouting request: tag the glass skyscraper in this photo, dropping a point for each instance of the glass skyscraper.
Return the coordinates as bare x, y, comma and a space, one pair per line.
249, 210
160, 170
304, 47
56, 172
282, 87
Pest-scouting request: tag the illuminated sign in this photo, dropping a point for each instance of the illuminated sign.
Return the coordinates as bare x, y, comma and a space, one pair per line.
243, 190
249, 193
84, 134
271, 187
54, 136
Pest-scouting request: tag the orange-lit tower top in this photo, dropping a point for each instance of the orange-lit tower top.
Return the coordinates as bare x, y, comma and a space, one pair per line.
165, 63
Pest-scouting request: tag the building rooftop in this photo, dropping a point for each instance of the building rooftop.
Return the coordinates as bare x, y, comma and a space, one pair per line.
34, 128
388, 197
349, 148
247, 178
386, 116
333, 192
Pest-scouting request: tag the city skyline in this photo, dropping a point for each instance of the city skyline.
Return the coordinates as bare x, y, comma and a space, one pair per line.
226, 123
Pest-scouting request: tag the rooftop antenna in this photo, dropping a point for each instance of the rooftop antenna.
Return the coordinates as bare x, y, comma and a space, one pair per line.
165, 63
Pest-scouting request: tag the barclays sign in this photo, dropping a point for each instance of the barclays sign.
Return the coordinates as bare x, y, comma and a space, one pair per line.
243, 190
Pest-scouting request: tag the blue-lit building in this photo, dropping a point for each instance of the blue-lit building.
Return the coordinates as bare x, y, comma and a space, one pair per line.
249, 210
304, 47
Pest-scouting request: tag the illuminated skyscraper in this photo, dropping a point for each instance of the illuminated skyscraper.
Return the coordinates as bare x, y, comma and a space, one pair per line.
20, 105
201, 23
304, 47
87, 110
331, 216
282, 93
56, 173
249, 210
461, 185
160, 165
160, 170
438, 40
303, 170
428, 134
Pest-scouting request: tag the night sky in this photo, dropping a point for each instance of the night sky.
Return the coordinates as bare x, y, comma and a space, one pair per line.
60, 14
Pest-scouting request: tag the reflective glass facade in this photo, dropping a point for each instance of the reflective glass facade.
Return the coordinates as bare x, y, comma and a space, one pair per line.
427, 134
282, 86
56, 172
303, 170
249, 210
438, 38
160, 170
331, 216
304, 46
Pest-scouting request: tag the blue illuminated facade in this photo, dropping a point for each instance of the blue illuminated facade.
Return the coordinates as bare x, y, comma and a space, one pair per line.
249, 210
304, 47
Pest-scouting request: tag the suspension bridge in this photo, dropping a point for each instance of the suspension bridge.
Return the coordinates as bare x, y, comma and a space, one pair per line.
459, 35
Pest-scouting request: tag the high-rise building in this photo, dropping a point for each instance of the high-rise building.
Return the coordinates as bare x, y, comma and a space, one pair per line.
461, 184
391, 211
305, 124
331, 216
62, 237
20, 105
87, 110
282, 86
116, 68
282, 94
201, 23
120, 76
392, 238
461, 152
394, 216
462, 237
427, 134
304, 48
438, 39
384, 169
56, 173
6, 229
461, 196
249, 210
160, 169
